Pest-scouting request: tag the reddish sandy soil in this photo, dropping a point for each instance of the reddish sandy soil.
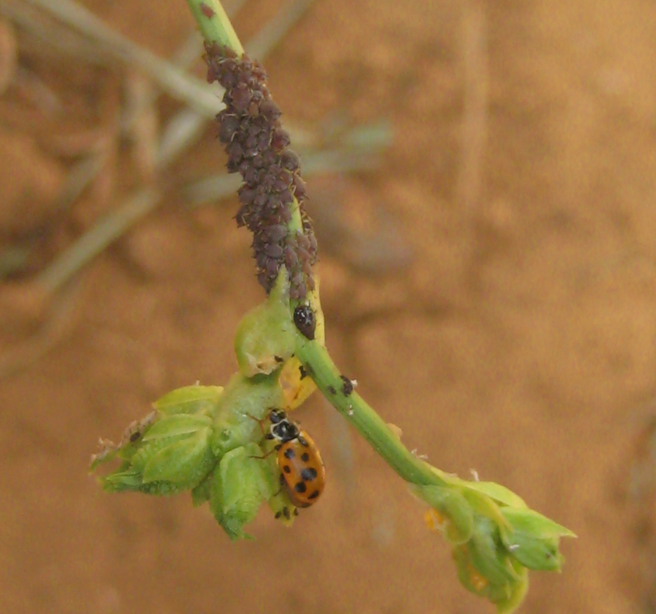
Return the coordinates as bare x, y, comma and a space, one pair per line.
501, 309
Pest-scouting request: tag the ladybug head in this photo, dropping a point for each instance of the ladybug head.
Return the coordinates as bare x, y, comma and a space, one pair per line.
284, 430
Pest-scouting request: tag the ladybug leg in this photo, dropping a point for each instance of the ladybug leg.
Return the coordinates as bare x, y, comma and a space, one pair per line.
269, 453
282, 484
259, 421
286, 513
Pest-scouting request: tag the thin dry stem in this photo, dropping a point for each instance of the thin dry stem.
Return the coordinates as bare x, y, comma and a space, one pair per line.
474, 124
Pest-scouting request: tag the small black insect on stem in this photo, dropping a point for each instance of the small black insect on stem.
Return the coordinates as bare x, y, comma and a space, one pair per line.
347, 386
305, 321
258, 149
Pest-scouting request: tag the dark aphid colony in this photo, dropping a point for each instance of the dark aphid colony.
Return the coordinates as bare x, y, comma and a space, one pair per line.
258, 149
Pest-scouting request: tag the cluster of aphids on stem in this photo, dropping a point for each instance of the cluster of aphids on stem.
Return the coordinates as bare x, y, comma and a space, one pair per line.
258, 149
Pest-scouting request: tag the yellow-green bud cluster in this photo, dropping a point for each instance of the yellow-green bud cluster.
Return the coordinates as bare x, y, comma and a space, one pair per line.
496, 538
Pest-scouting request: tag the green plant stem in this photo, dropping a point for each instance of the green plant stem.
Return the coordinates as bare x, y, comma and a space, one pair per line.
315, 357
354, 408
214, 24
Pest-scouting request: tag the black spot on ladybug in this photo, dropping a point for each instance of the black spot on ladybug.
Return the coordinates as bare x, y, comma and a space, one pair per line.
332, 390
303, 372
287, 469
300, 487
308, 474
289, 453
278, 514
305, 321
279, 359
314, 495
295, 512
305, 457
285, 512
135, 437
347, 387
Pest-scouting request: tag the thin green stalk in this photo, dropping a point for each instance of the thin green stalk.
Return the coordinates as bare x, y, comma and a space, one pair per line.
214, 24
354, 408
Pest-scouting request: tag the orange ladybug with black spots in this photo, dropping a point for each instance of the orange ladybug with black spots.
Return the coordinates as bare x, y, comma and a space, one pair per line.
302, 473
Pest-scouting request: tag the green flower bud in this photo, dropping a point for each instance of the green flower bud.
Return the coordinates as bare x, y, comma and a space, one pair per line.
488, 555
456, 513
173, 455
506, 595
190, 400
266, 336
482, 505
510, 600
468, 575
184, 462
241, 482
533, 539
243, 402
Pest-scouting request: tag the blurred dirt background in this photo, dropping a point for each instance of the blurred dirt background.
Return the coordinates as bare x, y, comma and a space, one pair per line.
498, 301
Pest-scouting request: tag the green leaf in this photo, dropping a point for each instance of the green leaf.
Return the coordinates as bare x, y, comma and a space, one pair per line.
120, 481
495, 491
535, 523
146, 451
189, 400
239, 487
176, 426
162, 489
533, 539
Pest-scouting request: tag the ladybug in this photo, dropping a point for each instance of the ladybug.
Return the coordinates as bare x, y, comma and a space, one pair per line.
302, 473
